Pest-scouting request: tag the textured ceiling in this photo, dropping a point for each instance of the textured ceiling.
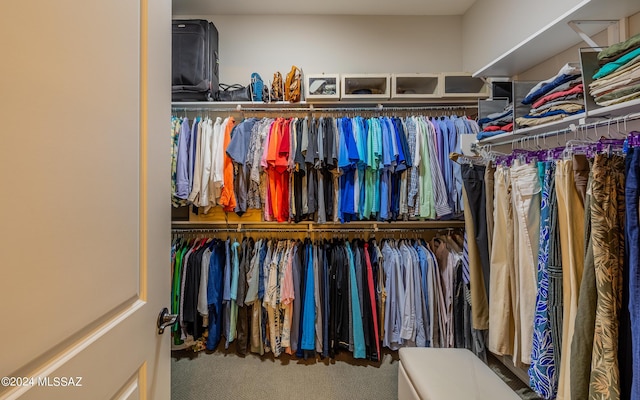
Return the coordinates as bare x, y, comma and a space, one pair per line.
321, 7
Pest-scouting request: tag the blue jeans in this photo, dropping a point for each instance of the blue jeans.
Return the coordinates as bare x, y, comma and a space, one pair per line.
633, 241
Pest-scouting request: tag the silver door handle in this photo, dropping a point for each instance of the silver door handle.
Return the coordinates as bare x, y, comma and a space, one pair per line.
165, 320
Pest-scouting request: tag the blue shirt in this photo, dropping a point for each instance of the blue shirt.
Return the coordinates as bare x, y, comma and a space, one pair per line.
385, 176
214, 293
424, 270
347, 180
363, 133
376, 133
239, 143
309, 313
544, 89
401, 161
227, 273
263, 256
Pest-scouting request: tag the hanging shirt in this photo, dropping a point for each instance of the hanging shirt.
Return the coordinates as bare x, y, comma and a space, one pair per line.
215, 294
388, 159
359, 350
348, 157
203, 305
423, 156
424, 273
192, 150
309, 316
369, 172
206, 157
194, 196
235, 269
227, 196
217, 161
390, 305
253, 274
237, 151
182, 169
408, 331
439, 189
175, 136
372, 299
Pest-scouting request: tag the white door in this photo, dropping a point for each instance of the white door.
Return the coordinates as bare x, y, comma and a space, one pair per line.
84, 204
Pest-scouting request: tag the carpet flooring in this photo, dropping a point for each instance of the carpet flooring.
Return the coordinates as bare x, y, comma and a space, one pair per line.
223, 375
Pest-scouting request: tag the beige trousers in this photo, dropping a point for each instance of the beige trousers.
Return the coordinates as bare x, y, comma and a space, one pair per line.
502, 283
526, 204
571, 222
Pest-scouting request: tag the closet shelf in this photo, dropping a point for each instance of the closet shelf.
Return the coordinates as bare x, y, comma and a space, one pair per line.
616, 110
534, 130
435, 104
621, 112
557, 36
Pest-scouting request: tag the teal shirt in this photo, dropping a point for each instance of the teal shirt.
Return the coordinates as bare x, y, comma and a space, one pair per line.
235, 272
359, 350
613, 66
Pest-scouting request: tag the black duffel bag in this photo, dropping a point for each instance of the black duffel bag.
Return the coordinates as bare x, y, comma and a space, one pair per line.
234, 93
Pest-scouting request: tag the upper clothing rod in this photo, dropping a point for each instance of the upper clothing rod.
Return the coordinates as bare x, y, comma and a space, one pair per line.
319, 230
212, 107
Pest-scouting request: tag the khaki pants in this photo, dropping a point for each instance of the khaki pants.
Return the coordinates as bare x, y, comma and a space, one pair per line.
571, 222
526, 204
502, 282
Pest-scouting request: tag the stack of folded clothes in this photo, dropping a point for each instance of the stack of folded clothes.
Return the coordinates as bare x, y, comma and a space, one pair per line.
497, 123
554, 99
618, 79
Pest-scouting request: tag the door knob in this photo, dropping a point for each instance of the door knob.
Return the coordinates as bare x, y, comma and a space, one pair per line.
165, 320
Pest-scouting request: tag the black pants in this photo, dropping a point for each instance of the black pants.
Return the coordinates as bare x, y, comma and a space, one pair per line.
473, 180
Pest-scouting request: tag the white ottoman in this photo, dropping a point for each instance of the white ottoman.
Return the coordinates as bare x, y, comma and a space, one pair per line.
448, 374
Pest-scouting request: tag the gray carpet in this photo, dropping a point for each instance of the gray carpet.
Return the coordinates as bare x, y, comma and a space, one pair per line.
223, 375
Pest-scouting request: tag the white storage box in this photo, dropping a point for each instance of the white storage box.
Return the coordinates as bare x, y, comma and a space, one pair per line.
458, 84
322, 86
413, 86
366, 86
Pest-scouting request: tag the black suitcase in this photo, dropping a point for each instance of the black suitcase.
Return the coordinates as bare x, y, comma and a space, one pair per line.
194, 60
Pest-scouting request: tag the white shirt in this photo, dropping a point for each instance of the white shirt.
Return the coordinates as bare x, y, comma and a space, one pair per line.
206, 163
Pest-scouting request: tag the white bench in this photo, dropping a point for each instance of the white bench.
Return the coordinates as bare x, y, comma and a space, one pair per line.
448, 374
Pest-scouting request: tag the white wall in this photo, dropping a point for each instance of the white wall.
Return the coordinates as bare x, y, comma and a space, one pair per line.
634, 24
491, 27
336, 44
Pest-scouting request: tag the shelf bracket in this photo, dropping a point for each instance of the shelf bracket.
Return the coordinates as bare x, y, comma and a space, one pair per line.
575, 25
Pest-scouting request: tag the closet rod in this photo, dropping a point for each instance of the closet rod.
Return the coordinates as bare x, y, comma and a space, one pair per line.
337, 231
310, 228
570, 129
378, 108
